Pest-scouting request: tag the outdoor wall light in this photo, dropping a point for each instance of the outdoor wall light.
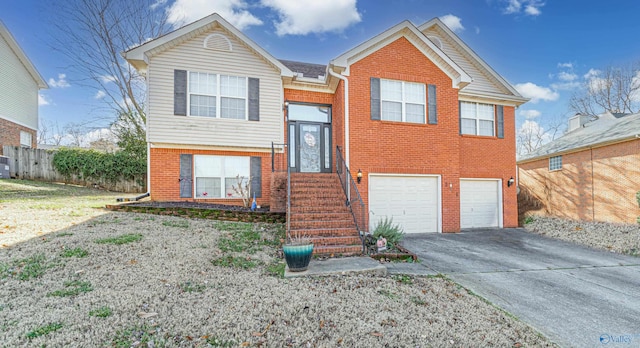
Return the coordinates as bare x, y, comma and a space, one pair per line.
510, 182
359, 176
286, 105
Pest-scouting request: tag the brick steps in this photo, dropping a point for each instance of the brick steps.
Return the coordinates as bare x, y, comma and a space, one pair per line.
318, 212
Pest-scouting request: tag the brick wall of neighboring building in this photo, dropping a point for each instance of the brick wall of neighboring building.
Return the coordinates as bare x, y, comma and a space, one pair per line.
165, 166
593, 185
10, 134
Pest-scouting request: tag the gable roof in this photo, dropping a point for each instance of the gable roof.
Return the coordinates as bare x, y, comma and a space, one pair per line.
13, 44
418, 39
607, 129
470, 54
139, 55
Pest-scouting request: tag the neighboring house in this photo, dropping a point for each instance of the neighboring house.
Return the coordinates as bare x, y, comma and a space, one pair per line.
426, 121
19, 85
591, 173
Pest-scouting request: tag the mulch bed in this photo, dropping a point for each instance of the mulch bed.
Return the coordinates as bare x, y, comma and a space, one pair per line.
202, 211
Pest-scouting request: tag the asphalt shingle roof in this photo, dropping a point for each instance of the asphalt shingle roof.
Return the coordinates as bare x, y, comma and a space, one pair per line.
607, 128
310, 70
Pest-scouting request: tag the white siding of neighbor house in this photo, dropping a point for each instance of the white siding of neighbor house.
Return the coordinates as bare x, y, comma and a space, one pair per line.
18, 90
165, 127
482, 81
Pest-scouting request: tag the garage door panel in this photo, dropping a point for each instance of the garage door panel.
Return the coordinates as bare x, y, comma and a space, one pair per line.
412, 202
479, 203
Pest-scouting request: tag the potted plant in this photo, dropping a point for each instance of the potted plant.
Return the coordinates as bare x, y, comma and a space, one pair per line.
297, 252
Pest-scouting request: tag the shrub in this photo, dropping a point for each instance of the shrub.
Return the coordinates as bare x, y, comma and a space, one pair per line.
393, 233
92, 165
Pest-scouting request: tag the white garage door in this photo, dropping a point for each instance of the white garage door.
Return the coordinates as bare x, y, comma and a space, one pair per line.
479, 203
412, 202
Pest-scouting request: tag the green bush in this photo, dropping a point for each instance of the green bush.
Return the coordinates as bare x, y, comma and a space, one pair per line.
393, 233
92, 165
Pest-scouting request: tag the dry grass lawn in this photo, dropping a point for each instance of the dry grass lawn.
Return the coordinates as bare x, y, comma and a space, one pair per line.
75, 275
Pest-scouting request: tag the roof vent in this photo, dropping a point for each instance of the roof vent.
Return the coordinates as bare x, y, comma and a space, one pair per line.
436, 41
578, 121
218, 42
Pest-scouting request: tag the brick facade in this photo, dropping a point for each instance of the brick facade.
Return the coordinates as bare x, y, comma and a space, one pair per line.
598, 184
165, 169
10, 134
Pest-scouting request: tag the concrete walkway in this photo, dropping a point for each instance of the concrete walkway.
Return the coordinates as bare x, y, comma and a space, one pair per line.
576, 296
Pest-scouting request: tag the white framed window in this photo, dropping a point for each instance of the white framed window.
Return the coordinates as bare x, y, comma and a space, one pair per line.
555, 163
402, 101
215, 95
215, 176
477, 118
25, 139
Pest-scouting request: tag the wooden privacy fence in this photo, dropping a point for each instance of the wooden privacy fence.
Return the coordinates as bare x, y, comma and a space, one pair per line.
37, 164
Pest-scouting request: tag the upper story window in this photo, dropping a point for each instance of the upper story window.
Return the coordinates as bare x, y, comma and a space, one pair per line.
555, 163
402, 101
477, 119
215, 95
25, 139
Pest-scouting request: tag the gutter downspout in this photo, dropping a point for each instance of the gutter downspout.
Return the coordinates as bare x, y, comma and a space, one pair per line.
346, 113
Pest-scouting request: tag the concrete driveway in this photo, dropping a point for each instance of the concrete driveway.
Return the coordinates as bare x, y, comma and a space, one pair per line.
576, 296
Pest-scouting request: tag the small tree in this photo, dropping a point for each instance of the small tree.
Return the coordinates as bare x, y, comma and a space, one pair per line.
243, 189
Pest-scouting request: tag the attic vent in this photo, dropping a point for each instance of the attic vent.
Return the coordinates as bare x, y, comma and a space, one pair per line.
218, 42
436, 41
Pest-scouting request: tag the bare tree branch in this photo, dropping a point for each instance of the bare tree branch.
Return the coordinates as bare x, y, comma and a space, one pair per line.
616, 89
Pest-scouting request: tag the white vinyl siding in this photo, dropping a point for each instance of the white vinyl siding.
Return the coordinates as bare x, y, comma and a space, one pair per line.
482, 81
165, 127
18, 89
555, 163
402, 101
477, 118
215, 176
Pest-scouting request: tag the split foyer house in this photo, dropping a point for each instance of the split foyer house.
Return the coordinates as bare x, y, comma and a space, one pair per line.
19, 86
410, 124
591, 173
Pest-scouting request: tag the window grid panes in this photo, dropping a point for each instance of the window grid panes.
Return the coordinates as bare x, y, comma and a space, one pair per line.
214, 95
215, 176
555, 163
402, 101
477, 119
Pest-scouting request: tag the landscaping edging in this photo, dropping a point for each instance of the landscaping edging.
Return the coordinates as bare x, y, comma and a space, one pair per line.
214, 214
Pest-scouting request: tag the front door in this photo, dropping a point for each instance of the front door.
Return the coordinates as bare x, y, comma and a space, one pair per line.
309, 138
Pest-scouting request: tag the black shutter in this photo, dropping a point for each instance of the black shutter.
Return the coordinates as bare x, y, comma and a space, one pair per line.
375, 98
433, 110
180, 92
254, 99
500, 117
186, 176
256, 176
460, 117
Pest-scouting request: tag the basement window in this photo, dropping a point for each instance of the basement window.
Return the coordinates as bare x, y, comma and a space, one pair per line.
555, 163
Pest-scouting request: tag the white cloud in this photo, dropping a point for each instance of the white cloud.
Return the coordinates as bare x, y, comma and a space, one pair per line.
158, 3
532, 10
302, 17
453, 22
565, 65
567, 76
531, 7
100, 94
592, 73
182, 12
536, 93
42, 100
530, 114
60, 83
97, 134
565, 85
477, 30
108, 78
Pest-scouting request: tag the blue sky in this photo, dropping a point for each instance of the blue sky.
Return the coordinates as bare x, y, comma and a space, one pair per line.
544, 48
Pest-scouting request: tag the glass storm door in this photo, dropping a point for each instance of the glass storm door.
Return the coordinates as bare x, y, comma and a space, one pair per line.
309, 138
